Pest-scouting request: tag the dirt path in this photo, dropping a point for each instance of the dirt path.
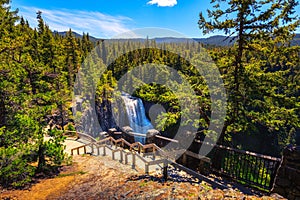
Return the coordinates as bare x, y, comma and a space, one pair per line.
100, 178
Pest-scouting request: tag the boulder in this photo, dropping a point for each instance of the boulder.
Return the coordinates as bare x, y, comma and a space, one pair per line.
127, 129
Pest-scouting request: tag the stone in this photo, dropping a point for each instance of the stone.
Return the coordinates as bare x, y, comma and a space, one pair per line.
293, 162
127, 129
283, 182
276, 196
287, 181
279, 190
295, 177
290, 196
151, 135
111, 130
296, 192
152, 132
103, 134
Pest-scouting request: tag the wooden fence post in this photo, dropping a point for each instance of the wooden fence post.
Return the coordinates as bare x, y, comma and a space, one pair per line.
133, 161
121, 156
146, 168
126, 158
92, 147
165, 170
184, 159
104, 151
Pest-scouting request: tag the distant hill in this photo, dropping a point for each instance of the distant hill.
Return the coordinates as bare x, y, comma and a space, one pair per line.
77, 35
296, 40
217, 40
214, 40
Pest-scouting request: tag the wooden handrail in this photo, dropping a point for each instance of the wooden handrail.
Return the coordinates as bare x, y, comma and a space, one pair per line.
136, 134
127, 143
82, 134
135, 144
83, 146
140, 146
165, 156
104, 140
167, 139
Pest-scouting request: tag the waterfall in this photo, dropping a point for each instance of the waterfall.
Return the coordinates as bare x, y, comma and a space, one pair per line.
137, 117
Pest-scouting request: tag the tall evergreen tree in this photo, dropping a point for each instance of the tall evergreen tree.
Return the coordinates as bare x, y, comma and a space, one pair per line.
260, 28
28, 90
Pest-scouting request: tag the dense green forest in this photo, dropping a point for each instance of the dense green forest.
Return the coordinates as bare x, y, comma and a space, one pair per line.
38, 69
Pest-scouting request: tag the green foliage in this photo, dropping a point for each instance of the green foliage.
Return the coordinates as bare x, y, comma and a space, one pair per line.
259, 70
15, 170
54, 150
37, 70
146, 81
72, 174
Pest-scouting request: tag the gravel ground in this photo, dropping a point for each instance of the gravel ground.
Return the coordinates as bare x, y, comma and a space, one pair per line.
98, 177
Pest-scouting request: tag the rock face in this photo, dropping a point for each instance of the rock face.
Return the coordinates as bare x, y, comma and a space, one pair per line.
105, 115
86, 119
287, 181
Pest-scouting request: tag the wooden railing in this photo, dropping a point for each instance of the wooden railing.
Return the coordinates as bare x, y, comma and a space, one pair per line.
77, 149
255, 170
82, 135
134, 151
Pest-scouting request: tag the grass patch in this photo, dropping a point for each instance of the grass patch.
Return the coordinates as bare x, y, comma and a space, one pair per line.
71, 174
144, 183
191, 194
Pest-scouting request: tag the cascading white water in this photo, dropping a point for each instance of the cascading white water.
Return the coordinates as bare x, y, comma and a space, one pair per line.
136, 116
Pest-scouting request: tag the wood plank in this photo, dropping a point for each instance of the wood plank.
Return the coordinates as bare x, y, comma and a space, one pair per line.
167, 139
155, 162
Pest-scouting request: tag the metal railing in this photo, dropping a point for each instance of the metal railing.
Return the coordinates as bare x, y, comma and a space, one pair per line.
252, 169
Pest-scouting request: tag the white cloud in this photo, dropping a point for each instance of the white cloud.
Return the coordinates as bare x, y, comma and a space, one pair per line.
96, 24
163, 3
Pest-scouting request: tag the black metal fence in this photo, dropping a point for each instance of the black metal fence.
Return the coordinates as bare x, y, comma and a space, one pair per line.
253, 169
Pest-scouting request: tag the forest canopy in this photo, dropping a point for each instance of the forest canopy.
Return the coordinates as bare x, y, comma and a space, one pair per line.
38, 68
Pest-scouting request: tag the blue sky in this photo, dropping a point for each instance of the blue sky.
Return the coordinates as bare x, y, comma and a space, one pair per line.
107, 18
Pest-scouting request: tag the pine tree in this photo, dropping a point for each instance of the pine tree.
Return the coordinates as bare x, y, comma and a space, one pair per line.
260, 28
27, 89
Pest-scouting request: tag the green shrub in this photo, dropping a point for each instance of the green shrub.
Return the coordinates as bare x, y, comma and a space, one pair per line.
14, 169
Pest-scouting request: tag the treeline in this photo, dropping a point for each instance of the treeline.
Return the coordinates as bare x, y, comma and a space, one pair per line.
260, 72
38, 69
37, 72
263, 116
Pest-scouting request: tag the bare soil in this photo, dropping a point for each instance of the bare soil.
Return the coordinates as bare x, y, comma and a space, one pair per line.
98, 177
91, 177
